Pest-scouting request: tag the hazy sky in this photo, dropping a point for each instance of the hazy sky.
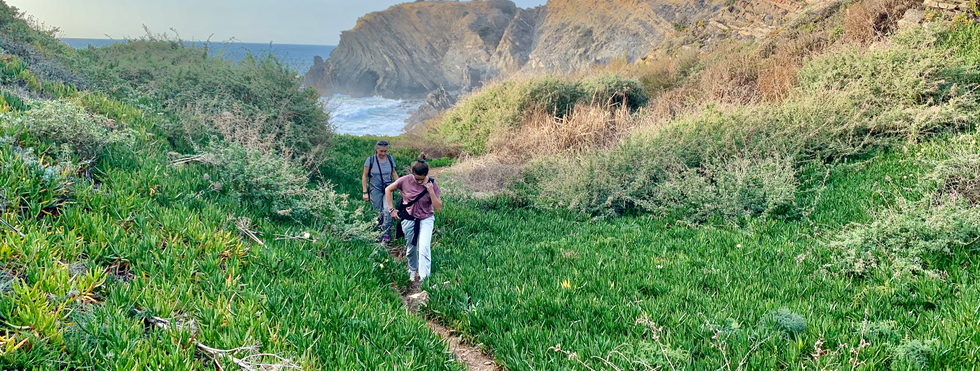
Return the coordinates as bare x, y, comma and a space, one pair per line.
261, 21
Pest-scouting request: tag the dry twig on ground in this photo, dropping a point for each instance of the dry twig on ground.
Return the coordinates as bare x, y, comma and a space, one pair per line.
253, 361
243, 224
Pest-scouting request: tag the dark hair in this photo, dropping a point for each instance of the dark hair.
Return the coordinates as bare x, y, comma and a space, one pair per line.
420, 167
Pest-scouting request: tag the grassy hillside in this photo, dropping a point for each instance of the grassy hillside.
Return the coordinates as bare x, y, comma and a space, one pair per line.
168, 210
118, 222
831, 223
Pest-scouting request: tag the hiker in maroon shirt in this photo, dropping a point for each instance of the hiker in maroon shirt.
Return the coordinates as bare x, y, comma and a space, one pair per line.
420, 201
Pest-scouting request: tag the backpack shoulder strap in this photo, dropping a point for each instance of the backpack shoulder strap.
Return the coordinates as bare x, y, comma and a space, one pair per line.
419, 197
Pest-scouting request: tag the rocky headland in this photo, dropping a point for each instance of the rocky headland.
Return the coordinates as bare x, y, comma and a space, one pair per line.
442, 49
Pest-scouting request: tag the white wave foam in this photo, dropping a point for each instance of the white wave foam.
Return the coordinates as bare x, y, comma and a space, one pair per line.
370, 115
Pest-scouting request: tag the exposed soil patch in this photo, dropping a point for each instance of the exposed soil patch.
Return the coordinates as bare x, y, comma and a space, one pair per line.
471, 356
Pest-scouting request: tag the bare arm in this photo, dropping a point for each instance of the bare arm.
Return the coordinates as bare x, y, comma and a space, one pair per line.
436, 200
364, 184
390, 198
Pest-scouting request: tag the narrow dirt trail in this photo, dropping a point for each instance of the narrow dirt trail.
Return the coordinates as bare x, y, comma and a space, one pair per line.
471, 356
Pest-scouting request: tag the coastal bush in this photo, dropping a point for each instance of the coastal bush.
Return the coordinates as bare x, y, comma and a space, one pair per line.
913, 238
265, 182
847, 103
189, 82
614, 91
509, 105
71, 130
37, 45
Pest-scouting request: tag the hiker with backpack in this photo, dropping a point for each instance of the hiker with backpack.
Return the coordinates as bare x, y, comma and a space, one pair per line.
419, 203
379, 172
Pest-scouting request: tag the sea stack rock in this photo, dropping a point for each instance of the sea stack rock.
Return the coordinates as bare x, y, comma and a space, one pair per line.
434, 104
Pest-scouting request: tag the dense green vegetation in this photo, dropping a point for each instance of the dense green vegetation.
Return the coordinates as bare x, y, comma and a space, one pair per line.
110, 227
835, 229
641, 292
160, 201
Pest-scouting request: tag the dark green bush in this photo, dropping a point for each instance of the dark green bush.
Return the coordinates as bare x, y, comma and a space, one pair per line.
507, 105
183, 76
615, 91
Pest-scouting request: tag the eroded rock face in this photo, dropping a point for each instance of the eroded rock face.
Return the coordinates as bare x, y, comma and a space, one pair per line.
412, 49
578, 33
434, 104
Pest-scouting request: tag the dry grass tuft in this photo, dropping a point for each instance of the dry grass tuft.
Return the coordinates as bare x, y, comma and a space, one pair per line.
869, 21
480, 176
587, 127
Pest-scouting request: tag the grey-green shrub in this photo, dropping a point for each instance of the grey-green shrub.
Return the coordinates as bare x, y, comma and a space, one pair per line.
643, 175
69, 127
615, 91
913, 354
274, 185
328, 210
876, 332
727, 188
269, 182
786, 322
911, 238
958, 175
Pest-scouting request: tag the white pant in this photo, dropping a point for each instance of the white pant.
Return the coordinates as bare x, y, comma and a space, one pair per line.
420, 257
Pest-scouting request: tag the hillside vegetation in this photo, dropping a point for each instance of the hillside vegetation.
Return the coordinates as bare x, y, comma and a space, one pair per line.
135, 192
807, 202
821, 216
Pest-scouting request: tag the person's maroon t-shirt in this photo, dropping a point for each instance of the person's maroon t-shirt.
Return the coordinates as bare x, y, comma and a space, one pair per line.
411, 189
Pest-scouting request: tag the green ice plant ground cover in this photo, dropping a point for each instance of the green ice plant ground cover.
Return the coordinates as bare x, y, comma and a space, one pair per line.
553, 291
875, 271
149, 239
114, 235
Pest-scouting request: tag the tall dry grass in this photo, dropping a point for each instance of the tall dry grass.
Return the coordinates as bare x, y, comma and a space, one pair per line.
589, 126
870, 21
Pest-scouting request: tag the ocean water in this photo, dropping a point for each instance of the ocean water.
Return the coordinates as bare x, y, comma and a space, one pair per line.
298, 57
369, 116
355, 116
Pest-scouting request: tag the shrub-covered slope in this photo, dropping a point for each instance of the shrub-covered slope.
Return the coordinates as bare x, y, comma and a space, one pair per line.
126, 244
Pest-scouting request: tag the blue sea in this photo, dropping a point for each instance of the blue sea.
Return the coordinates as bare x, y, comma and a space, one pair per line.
355, 116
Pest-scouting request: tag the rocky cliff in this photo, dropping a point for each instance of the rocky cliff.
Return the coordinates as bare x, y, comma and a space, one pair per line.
411, 50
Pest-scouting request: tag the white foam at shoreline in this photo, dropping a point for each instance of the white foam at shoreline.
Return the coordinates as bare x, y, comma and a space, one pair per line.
370, 115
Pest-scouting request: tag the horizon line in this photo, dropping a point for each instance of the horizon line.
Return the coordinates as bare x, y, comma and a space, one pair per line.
196, 41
